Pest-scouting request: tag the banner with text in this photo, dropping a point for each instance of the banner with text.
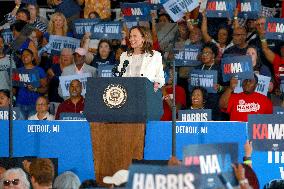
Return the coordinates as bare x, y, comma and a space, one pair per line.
177, 8
155, 4
105, 70
274, 28
213, 160
81, 26
249, 9
236, 66
195, 115
220, 8
266, 132
4, 114
22, 78
71, 116
204, 78
57, 43
187, 56
65, 82
136, 11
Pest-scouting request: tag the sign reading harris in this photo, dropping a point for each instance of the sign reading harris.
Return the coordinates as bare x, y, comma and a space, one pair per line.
66, 80
266, 132
99, 30
22, 78
249, 9
177, 8
4, 114
274, 28
136, 11
57, 43
262, 86
195, 115
187, 56
212, 159
239, 66
220, 8
105, 70
154, 177
204, 78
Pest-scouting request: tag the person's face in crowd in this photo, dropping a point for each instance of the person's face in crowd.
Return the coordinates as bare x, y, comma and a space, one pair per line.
249, 86
41, 105
197, 99
33, 11
222, 36
239, 37
92, 15
34, 38
66, 58
183, 31
164, 19
251, 25
260, 26
78, 59
195, 36
253, 54
12, 181
75, 89
27, 58
207, 56
136, 39
58, 22
22, 16
118, 52
104, 50
4, 100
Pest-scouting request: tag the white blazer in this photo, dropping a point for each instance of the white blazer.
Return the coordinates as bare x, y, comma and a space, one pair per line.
152, 67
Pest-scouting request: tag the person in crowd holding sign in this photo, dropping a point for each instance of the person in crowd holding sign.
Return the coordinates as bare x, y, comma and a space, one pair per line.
42, 105
239, 106
27, 93
18, 13
180, 98
104, 55
143, 61
75, 104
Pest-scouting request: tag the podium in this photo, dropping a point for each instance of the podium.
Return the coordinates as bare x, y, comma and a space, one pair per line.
118, 109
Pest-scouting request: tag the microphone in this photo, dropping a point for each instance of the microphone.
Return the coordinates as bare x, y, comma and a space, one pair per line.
123, 69
224, 181
114, 70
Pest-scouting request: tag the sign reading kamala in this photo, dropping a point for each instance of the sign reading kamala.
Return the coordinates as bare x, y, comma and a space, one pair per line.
98, 29
274, 28
239, 66
262, 86
105, 70
204, 78
187, 56
22, 77
65, 82
7, 35
136, 11
4, 114
213, 159
249, 9
220, 8
57, 43
156, 177
195, 115
177, 8
278, 110
266, 132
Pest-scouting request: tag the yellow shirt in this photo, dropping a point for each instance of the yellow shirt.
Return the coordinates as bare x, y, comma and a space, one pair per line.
102, 7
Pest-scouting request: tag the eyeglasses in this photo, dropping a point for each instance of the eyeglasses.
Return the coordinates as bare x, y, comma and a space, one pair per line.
206, 53
8, 182
41, 104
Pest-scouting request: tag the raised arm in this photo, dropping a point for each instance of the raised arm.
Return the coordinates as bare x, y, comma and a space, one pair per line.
224, 100
269, 54
204, 29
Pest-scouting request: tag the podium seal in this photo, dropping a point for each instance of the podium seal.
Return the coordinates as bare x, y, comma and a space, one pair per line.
115, 96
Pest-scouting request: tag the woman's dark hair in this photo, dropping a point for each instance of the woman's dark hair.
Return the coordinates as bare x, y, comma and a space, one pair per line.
167, 16
104, 41
211, 46
6, 92
203, 91
18, 25
148, 42
258, 58
91, 183
28, 50
25, 11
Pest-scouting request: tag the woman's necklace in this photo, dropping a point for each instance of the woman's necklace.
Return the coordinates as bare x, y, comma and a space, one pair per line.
208, 68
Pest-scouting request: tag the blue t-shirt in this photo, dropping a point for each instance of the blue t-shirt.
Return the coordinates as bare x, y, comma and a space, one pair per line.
25, 96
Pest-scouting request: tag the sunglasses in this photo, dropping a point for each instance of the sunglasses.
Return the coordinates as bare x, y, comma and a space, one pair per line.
8, 182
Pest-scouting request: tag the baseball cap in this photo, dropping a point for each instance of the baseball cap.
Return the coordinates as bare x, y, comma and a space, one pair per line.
80, 51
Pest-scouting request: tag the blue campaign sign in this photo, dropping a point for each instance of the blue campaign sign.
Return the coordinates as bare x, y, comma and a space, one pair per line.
220, 8
69, 141
274, 28
188, 56
107, 30
57, 43
23, 77
81, 26
249, 9
195, 115
136, 11
278, 110
71, 116
7, 35
236, 66
213, 159
4, 114
204, 78
155, 4
105, 70
266, 132
33, 2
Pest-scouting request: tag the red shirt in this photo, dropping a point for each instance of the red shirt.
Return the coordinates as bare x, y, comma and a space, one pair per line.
241, 105
278, 66
180, 99
68, 106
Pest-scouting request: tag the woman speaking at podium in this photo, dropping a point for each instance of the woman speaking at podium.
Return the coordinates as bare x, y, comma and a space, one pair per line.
141, 60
